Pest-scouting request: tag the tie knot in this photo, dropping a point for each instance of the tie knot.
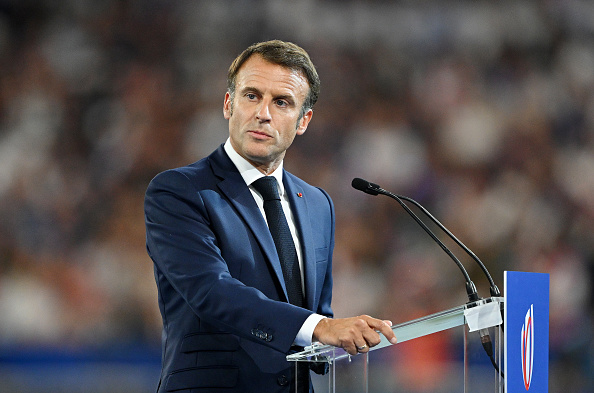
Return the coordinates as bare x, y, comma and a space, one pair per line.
267, 187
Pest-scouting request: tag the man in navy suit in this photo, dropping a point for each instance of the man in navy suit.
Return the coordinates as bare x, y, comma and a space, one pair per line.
227, 320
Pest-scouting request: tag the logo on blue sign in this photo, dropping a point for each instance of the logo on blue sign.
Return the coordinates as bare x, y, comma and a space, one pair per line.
526, 332
528, 346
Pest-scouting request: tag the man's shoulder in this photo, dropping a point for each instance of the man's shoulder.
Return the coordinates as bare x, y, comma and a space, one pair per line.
296, 180
310, 189
196, 170
200, 173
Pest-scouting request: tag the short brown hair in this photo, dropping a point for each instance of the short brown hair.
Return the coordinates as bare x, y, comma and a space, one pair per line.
285, 54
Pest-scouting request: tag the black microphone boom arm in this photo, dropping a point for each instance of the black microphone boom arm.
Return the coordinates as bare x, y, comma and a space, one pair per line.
374, 189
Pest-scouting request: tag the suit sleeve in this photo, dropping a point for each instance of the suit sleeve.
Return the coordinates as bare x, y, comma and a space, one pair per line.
185, 250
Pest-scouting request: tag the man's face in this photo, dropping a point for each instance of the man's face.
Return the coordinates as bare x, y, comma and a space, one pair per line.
264, 116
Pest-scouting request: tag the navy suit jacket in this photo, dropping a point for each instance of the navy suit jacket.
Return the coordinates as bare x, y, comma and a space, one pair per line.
227, 325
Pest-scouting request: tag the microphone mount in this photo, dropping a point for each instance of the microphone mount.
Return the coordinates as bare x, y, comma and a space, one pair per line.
374, 189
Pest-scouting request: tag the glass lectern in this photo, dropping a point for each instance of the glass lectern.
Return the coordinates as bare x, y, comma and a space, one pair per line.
480, 322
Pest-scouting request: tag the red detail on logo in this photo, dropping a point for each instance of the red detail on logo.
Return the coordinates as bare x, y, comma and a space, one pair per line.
528, 347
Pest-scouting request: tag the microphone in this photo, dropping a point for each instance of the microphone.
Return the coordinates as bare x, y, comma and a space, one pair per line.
375, 189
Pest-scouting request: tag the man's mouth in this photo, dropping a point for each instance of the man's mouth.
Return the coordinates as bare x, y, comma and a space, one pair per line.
259, 134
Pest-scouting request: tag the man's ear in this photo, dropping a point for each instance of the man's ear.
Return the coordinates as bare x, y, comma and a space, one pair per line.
227, 106
304, 122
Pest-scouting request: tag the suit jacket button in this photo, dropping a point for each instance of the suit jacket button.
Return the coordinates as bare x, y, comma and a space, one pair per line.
282, 380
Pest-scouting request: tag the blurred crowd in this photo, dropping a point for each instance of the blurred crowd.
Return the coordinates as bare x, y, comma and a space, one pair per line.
482, 111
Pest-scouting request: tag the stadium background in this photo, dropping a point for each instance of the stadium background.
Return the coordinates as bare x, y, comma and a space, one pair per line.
483, 111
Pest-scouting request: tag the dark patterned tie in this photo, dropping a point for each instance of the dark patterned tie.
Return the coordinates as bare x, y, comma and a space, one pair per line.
285, 247
281, 234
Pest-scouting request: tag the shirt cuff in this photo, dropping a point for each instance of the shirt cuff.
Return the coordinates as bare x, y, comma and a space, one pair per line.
305, 334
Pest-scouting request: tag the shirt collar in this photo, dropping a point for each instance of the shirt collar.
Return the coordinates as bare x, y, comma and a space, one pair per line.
248, 172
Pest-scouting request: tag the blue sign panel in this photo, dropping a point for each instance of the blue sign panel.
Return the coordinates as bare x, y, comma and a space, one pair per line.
526, 327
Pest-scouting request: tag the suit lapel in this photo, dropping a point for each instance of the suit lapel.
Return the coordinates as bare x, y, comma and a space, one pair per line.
298, 202
234, 188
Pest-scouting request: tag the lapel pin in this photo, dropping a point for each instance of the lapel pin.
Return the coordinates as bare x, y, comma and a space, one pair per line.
300, 195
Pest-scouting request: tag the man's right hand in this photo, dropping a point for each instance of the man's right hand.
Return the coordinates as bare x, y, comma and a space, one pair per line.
355, 334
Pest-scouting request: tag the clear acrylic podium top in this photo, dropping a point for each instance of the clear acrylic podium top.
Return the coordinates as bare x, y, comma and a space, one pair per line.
405, 331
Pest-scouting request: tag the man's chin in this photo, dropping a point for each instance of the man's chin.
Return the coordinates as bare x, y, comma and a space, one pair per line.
264, 158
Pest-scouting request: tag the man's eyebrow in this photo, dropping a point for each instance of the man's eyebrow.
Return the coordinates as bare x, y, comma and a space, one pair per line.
287, 97
251, 89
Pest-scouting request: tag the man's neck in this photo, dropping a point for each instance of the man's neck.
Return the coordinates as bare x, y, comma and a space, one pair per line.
248, 169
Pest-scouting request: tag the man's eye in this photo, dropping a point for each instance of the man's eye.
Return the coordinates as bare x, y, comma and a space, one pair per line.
281, 103
251, 96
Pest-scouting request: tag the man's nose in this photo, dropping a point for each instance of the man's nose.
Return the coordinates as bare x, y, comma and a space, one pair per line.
263, 113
